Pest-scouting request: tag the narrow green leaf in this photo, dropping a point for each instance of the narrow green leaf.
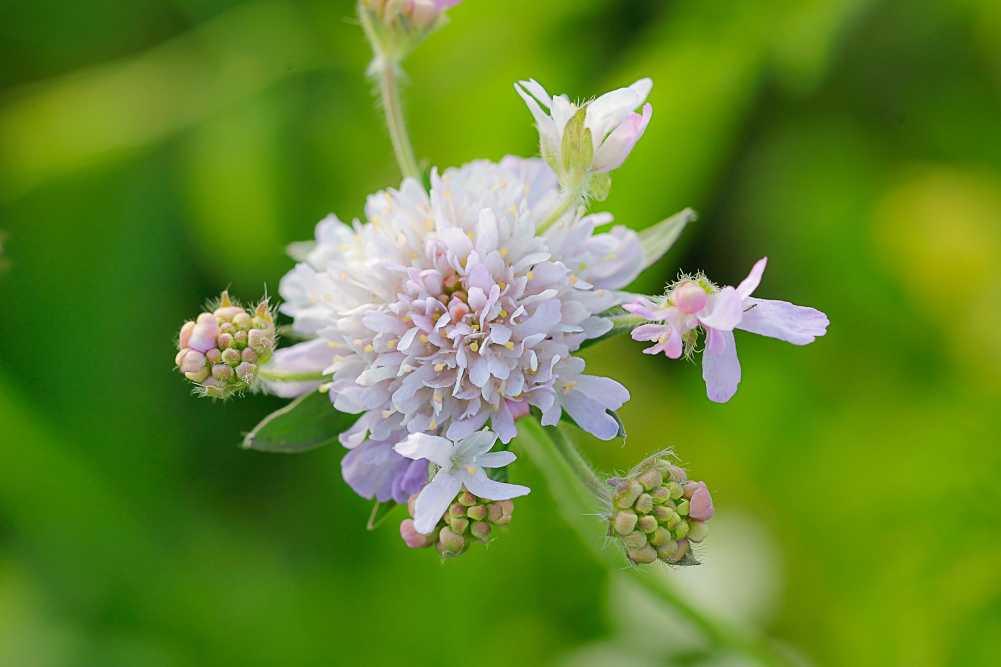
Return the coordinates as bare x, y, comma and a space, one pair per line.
658, 239
308, 422
379, 513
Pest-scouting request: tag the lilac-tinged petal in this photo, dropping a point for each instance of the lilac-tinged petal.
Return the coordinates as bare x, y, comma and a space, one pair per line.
798, 325
433, 500
424, 446
641, 307
411, 481
476, 444
590, 415
723, 310
753, 279
620, 143
606, 391
649, 331
715, 342
484, 487
496, 459
722, 373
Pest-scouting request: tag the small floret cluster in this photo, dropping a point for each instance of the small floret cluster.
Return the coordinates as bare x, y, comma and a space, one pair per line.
469, 519
222, 350
659, 513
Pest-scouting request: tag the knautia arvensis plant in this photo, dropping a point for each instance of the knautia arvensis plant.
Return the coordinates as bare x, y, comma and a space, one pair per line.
459, 305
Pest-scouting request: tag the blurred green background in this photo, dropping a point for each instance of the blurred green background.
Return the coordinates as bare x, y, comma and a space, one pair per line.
154, 152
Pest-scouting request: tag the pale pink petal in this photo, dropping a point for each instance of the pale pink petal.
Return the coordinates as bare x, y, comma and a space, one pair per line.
620, 143
590, 415
798, 325
753, 279
433, 500
722, 373
426, 446
701, 506
723, 310
495, 459
484, 487
649, 331
715, 342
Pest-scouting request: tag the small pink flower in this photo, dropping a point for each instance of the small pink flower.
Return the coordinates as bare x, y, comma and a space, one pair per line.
701, 504
719, 313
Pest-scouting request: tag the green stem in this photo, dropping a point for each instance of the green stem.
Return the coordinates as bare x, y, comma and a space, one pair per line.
391, 105
567, 201
563, 466
291, 376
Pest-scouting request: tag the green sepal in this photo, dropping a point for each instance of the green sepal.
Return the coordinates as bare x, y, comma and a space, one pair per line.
576, 149
308, 422
601, 185
379, 513
659, 238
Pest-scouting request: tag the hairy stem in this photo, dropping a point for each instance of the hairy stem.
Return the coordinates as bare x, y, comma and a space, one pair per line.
389, 85
570, 481
291, 376
568, 199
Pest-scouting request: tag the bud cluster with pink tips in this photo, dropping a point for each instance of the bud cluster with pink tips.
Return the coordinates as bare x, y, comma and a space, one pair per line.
659, 513
222, 350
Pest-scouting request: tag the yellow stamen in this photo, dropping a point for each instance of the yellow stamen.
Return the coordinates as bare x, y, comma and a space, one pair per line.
503, 313
359, 342
530, 275
429, 224
509, 345
503, 286
424, 338
471, 469
324, 388
368, 348
342, 247
332, 344
439, 368
338, 358
406, 368
312, 299
391, 344
474, 347
413, 256
433, 426
406, 318
503, 252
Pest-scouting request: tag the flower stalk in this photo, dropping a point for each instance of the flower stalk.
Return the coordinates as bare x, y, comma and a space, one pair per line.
570, 480
393, 108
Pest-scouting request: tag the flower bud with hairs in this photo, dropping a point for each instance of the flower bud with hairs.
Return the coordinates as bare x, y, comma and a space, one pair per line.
657, 513
222, 350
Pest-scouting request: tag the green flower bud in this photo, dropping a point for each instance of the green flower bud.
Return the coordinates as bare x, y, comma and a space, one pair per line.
650, 480
683, 547
459, 526
675, 489
644, 555
682, 508
219, 340
667, 550
681, 530
451, 540
625, 522
660, 495
697, 531
676, 474
644, 503
466, 499
494, 512
662, 513
660, 536
480, 529
507, 506
628, 495
634, 540
477, 512
456, 511
647, 524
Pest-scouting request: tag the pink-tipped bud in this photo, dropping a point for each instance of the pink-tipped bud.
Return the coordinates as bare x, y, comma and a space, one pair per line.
190, 361
413, 539
689, 298
185, 334
204, 334
457, 309
518, 409
701, 507
683, 547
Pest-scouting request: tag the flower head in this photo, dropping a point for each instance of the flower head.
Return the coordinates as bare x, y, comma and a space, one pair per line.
658, 513
468, 519
446, 311
610, 125
221, 350
695, 303
461, 463
397, 27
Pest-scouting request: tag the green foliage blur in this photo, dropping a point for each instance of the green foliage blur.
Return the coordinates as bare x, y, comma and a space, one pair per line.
154, 152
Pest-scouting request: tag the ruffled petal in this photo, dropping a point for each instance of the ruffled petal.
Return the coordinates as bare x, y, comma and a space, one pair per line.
753, 279
484, 487
425, 446
723, 310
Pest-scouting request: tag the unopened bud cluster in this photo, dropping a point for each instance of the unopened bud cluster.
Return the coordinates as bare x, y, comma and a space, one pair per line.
396, 27
468, 519
658, 513
221, 350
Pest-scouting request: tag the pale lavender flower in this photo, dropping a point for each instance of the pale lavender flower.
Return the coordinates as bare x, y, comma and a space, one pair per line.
615, 127
697, 302
459, 464
446, 311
